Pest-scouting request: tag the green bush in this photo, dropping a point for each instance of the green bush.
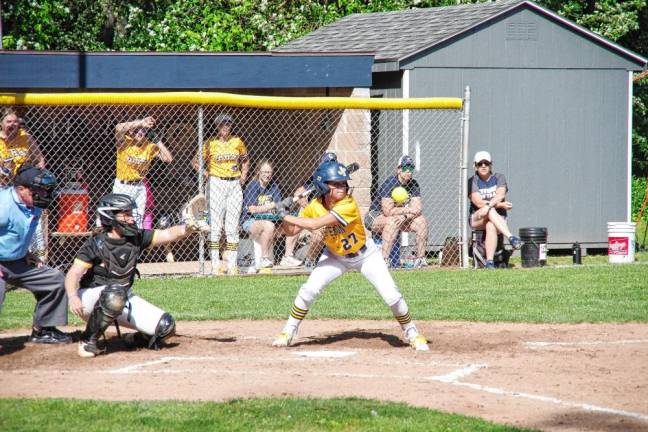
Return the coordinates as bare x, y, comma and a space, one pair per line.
638, 194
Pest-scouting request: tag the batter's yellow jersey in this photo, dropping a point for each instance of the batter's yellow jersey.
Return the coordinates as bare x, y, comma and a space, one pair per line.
223, 157
349, 236
133, 161
16, 153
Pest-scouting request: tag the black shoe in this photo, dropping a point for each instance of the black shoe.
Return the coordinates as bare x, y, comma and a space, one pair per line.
49, 335
489, 265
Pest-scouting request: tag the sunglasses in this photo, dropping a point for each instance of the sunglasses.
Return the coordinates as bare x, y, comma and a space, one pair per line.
483, 164
407, 168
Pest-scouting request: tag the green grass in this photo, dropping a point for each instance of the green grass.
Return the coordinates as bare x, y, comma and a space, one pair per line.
237, 415
596, 293
559, 293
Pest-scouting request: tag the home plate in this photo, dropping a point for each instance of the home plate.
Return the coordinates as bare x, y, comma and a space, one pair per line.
325, 354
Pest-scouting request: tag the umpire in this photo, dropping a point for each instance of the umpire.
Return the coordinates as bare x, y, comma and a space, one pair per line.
22, 205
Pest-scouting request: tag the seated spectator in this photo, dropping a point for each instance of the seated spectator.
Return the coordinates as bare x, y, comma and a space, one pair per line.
387, 218
488, 206
259, 220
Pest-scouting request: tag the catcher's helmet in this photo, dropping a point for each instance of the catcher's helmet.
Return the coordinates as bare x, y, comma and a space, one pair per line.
329, 172
41, 181
112, 204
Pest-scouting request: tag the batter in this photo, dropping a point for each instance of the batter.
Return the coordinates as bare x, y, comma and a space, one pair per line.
347, 248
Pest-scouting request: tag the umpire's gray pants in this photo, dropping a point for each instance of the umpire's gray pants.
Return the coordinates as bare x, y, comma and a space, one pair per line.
47, 285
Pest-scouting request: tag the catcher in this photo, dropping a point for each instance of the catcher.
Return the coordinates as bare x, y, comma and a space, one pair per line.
99, 282
348, 247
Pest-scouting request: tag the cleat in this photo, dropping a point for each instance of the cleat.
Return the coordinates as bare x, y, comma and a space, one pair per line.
419, 343
49, 335
490, 265
309, 264
89, 349
515, 242
289, 262
283, 339
234, 271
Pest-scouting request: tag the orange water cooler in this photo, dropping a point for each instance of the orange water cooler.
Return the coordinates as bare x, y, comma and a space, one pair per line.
73, 208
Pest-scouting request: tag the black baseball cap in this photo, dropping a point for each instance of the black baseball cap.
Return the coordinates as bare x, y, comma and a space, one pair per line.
406, 161
31, 176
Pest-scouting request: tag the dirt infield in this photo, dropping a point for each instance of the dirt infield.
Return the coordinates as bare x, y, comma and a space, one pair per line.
550, 377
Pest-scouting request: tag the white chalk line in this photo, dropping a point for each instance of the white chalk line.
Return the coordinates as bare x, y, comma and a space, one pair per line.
540, 344
552, 400
453, 378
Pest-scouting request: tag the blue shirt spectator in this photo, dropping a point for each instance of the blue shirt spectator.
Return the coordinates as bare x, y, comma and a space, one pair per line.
257, 195
17, 225
412, 187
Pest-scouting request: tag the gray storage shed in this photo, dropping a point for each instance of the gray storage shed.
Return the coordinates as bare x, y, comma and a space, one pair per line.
551, 101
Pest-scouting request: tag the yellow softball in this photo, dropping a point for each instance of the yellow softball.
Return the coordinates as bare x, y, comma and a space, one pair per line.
400, 195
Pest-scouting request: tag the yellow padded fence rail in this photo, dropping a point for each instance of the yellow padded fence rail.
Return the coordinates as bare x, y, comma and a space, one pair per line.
234, 100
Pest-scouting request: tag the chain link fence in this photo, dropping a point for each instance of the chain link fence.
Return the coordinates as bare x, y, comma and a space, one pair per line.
243, 158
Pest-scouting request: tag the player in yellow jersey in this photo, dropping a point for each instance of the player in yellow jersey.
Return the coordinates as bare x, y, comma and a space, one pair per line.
227, 166
347, 248
135, 153
16, 146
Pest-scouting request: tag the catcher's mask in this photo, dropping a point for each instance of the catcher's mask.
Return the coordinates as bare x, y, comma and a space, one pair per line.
331, 171
108, 208
40, 181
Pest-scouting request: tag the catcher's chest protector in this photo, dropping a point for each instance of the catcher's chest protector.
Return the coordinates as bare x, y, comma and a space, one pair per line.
118, 261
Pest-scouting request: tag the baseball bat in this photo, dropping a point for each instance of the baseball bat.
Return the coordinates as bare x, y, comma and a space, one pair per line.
351, 168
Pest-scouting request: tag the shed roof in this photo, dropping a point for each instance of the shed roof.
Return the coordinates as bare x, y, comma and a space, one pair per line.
395, 36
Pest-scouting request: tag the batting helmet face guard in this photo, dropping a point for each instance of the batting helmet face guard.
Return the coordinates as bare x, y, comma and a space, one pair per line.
332, 171
108, 208
40, 181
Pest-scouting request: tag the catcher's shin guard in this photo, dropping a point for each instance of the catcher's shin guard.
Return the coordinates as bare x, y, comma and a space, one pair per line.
109, 306
164, 330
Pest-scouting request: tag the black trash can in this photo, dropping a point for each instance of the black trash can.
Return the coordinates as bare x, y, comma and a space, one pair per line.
534, 248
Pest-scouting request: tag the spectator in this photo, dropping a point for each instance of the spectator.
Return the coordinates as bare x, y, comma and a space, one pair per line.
227, 167
135, 152
22, 205
388, 219
488, 206
259, 220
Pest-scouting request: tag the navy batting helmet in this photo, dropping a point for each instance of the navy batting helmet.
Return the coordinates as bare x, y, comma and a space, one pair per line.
329, 172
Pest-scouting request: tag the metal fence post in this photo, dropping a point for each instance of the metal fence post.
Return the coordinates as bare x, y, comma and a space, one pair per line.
201, 186
465, 127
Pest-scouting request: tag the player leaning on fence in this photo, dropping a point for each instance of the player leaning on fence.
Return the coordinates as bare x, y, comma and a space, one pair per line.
135, 152
16, 146
347, 248
100, 280
227, 167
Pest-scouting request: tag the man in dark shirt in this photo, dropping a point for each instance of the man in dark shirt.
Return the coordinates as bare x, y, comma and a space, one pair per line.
388, 217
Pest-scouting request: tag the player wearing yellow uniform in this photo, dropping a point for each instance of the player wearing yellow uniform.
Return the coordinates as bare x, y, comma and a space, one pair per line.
135, 153
16, 146
227, 166
347, 248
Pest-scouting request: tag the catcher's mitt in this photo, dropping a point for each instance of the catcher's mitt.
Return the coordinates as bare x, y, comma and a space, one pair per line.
193, 214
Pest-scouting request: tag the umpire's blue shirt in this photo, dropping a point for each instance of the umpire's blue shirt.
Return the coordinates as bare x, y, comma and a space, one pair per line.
17, 225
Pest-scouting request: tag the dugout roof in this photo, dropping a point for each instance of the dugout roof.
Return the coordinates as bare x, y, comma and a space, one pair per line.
181, 71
